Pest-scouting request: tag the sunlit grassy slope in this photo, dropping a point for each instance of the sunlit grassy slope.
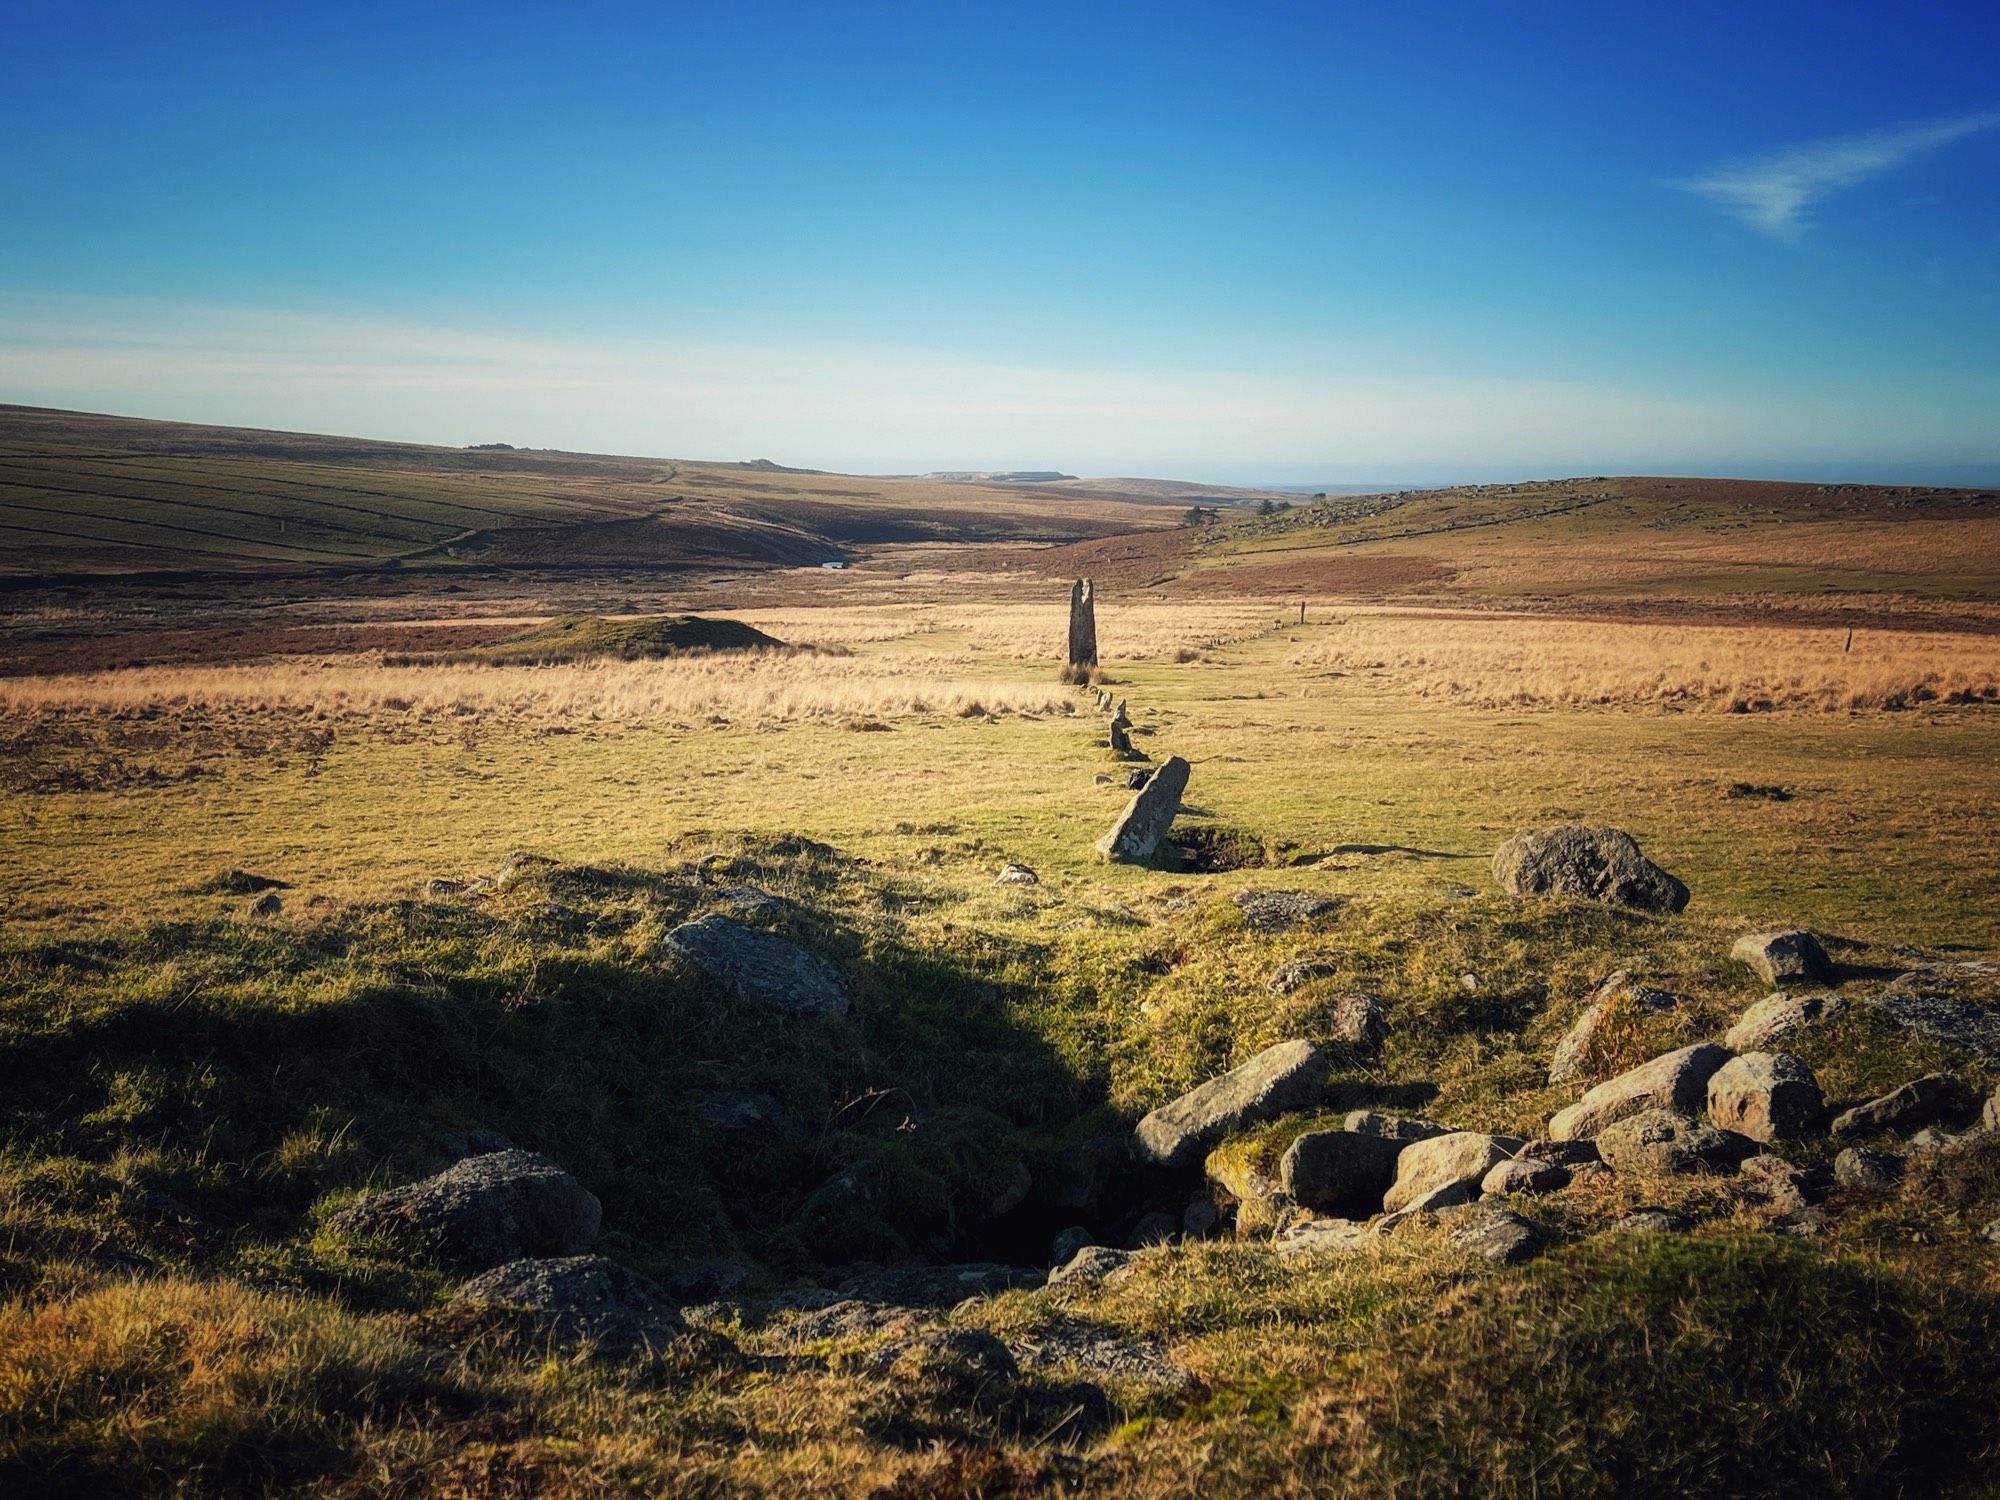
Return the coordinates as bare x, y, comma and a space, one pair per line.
106, 495
188, 1095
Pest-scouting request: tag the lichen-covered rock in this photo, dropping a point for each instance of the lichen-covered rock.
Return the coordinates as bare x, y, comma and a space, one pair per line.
1954, 1005
1358, 1021
1274, 911
1142, 826
1661, 1142
1497, 1234
1589, 864
1289, 1076
1297, 973
1394, 1127
1676, 1080
1920, 1102
1339, 1172
1788, 956
1653, 1221
1320, 1236
1862, 1168
760, 966
1463, 1157
1767, 1096
1778, 1016
1567, 1063
484, 1211
577, 1299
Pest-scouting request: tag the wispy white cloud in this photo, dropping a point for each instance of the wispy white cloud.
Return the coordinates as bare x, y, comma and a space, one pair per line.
1773, 193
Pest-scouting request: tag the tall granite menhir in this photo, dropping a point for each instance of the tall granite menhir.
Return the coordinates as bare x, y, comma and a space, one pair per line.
1083, 624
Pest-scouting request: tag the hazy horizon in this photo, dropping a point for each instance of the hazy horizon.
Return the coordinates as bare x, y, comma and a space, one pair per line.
1272, 246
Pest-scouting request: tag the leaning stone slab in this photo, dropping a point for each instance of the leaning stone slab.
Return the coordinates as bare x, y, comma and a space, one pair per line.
1140, 829
760, 966
1676, 1080
580, 1299
1588, 864
1464, 1156
1767, 1096
1278, 1080
483, 1211
1789, 956
1777, 1016
1572, 1053
1919, 1102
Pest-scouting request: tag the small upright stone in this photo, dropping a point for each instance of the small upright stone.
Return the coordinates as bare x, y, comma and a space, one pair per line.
1083, 624
263, 907
1790, 956
1920, 1102
1142, 827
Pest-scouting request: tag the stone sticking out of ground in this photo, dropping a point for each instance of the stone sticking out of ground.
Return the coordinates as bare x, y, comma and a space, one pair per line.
1767, 1096
1339, 1172
1526, 1175
1867, 1169
1462, 1158
1589, 864
235, 882
580, 1299
1393, 1127
1278, 1080
1275, 911
1142, 827
1297, 973
1016, 874
1778, 1016
1091, 1264
1920, 1102
1951, 1004
484, 1211
1676, 1080
760, 966
1572, 1053
1358, 1020
731, 1110
1320, 1236
264, 907
1653, 1221
1788, 956
1497, 1234
1662, 1142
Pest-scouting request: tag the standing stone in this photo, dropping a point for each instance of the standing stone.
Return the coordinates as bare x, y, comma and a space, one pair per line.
1083, 624
1572, 1054
1121, 732
1137, 834
1278, 1080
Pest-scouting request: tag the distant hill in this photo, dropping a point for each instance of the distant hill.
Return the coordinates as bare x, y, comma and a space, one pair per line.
83, 495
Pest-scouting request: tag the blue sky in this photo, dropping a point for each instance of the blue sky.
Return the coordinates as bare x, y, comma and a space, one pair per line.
1251, 242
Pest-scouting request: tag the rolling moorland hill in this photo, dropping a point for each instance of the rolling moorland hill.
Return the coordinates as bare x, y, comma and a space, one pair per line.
87, 495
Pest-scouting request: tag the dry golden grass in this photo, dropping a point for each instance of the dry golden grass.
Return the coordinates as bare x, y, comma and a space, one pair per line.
681, 691
1509, 660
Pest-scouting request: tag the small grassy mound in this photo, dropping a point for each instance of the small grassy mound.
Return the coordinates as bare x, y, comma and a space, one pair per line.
575, 638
